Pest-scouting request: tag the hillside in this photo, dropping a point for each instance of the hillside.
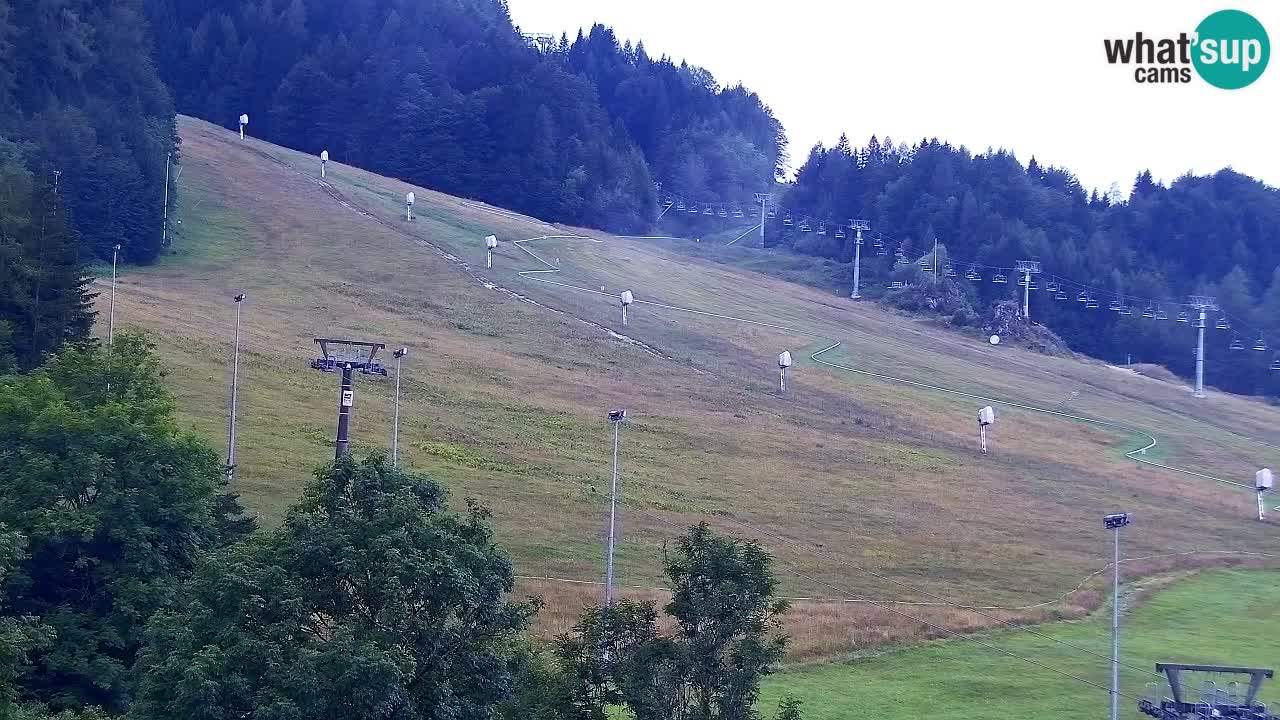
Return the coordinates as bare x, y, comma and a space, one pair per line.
509, 379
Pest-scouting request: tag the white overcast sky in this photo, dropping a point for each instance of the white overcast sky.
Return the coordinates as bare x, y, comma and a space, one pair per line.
1028, 76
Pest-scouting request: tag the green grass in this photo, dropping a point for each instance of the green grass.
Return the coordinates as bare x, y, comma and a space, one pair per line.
503, 399
1219, 617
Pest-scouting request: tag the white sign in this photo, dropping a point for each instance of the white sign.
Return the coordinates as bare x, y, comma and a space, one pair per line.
348, 398
987, 416
1263, 480
995, 339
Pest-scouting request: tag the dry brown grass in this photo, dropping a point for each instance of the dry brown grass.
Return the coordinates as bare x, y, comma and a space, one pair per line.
503, 400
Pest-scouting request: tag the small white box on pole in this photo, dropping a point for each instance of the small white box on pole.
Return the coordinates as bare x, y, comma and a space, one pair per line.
784, 362
627, 299
408, 205
986, 417
490, 242
324, 160
244, 120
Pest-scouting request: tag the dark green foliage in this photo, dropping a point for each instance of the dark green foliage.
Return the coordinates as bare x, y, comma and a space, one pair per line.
43, 296
113, 504
1214, 235
79, 92
371, 601
708, 668
449, 95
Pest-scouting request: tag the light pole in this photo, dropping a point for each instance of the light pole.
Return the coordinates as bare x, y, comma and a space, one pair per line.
164, 232
1115, 522
235, 395
111, 323
395, 424
616, 417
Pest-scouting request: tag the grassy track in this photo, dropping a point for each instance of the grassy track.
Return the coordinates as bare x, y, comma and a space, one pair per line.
504, 401
1220, 617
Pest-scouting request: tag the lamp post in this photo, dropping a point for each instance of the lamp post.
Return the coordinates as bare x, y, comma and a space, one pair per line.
111, 323
235, 395
616, 417
1114, 523
395, 424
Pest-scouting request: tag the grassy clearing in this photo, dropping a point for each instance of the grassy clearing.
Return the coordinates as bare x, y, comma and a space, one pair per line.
1219, 617
504, 398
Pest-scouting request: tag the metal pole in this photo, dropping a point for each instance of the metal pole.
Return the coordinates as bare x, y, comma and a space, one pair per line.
344, 412
857, 264
235, 396
782, 379
395, 424
1200, 356
764, 200
624, 315
111, 324
1026, 295
935, 259
613, 514
1262, 510
164, 233
1115, 630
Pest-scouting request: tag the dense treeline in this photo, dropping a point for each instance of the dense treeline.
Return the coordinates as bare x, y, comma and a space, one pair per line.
450, 95
83, 109
1213, 235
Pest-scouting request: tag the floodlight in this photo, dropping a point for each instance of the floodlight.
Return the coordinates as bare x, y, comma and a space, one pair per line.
995, 339
116, 248
617, 415
239, 298
1116, 521
402, 352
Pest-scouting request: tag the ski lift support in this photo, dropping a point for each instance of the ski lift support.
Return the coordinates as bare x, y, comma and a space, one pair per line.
360, 355
1178, 706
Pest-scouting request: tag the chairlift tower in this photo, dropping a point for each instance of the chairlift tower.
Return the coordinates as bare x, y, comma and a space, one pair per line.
1237, 701
1027, 268
1202, 304
857, 226
763, 199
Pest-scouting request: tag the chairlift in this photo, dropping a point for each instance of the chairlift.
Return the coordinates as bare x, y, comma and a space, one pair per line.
949, 270
999, 278
667, 202
1184, 317
839, 234
1031, 285
680, 205
1222, 323
1115, 306
1236, 344
1061, 295
926, 264
882, 251
1082, 297
1091, 304
1161, 314
693, 208
1052, 286
899, 253
723, 212
1260, 345
879, 243
973, 273
771, 214
737, 212
822, 228
902, 261
708, 211
1149, 313
786, 219
1028, 283
1126, 310
1275, 362
804, 225
896, 285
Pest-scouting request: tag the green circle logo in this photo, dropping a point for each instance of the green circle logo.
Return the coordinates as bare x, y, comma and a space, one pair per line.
1232, 49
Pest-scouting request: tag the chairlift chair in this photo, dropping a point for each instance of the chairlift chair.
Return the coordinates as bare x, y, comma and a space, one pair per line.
804, 225
1236, 344
1032, 285
1052, 286
1061, 295
999, 279
879, 243
881, 251
680, 205
839, 234
1082, 297
973, 273
949, 270
771, 214
1161, 315
737, 212
667, 202
1260, 345
1091, 304
1115, 305
1126, 310
896, 285
708, 211
723, 212
1149, 313
1184, 317
693, 208
786, 219
1222, 323
902, 261
926, 264
1275, 362
822, 228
